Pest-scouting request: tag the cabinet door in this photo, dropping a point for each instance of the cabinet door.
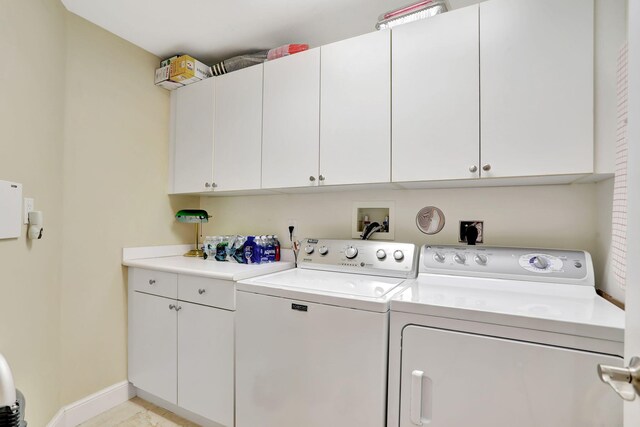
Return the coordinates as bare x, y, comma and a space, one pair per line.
355, 112
238, 130
458, 379
152, 345
536, 68
291, 121
206, 362
193, 139
436, 98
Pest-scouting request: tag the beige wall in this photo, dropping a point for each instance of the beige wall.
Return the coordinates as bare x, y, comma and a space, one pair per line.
555, 216
32, 42
115, 196
91, 149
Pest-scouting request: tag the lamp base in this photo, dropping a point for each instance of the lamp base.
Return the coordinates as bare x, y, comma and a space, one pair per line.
195, 253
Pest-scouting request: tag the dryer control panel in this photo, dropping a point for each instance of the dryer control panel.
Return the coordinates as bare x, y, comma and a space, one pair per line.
528, 264
390, 259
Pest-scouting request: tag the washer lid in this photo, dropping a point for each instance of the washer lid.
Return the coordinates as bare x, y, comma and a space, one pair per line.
569, 309
342, 289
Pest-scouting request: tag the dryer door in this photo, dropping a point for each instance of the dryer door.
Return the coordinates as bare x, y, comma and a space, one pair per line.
454, 379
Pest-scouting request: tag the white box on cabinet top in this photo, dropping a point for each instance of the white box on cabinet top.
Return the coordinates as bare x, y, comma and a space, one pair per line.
536, 87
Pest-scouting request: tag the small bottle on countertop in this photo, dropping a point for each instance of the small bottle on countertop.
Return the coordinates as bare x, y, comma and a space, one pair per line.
385, 223
264, 249
250, 249
276, 245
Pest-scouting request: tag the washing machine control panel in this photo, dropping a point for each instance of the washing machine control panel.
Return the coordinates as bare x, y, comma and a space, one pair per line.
389, 259
542, 265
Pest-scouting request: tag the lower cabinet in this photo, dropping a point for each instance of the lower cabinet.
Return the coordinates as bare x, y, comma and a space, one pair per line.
153, 345
206, 361
183, 352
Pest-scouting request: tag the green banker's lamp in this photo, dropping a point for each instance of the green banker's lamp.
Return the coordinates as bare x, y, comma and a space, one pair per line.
197, 217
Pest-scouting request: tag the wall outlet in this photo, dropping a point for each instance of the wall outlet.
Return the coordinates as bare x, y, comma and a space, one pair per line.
28, 207
462, 233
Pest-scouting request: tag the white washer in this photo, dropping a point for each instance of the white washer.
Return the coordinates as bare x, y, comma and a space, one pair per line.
500, 337
311, 346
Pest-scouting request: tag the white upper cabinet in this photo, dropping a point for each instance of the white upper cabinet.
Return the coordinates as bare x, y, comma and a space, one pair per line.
355, 110
192, 139
436, 98
536, 75
291, 113
238, 130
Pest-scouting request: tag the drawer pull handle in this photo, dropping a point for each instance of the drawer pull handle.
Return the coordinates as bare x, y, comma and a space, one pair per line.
152, 282
201, 291
172, 306
178, 308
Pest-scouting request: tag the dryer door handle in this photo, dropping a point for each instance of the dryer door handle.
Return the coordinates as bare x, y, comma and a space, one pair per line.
418, 417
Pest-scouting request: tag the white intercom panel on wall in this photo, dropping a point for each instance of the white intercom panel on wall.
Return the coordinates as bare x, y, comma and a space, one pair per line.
10, 210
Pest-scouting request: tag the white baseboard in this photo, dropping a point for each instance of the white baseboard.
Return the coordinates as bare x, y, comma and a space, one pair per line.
57, 420
86, 408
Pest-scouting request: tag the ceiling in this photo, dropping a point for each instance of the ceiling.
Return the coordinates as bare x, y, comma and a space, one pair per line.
212, 30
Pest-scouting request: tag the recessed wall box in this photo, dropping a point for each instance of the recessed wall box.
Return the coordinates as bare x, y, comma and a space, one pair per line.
365, 213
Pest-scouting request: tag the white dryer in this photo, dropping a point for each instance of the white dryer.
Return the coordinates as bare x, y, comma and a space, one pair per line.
503, 337
311, 343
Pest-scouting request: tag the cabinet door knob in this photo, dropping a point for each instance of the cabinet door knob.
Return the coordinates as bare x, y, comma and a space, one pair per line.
152, 282
178, 308
172, 306
473, 169
214, 185
486, 167
206, 184
321, 177
312, 178
201, 291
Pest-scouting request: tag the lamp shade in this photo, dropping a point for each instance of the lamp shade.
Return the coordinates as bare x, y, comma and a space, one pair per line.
192, 216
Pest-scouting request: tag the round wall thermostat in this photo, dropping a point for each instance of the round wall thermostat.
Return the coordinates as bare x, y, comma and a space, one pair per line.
430, 220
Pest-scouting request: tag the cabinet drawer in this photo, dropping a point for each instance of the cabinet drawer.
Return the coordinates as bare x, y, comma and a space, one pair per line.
211, 292
154, 282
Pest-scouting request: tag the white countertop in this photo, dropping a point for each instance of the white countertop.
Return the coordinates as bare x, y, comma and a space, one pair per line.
170, 259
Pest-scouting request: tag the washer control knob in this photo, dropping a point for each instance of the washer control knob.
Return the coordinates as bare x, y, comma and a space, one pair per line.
398, 255
539, 262
481, 259
438, 257
308, 249
351, 252
323, 250
460, 258
381, 254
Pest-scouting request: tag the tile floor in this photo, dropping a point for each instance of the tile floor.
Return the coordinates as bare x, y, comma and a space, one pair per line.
137, 413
